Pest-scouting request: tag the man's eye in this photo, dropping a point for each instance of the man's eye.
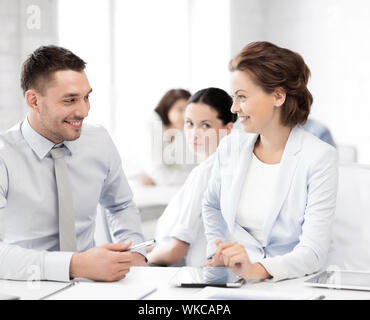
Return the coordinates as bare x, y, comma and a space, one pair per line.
69, 100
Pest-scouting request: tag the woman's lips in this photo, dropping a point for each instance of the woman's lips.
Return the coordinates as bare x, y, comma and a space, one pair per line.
243, 119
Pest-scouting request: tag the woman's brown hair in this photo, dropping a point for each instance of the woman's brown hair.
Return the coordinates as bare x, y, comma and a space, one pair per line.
273, 67
167, 101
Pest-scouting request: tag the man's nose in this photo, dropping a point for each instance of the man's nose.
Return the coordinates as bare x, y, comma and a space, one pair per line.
83, 109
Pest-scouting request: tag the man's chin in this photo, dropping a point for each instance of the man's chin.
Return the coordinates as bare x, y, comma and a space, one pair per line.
72, 137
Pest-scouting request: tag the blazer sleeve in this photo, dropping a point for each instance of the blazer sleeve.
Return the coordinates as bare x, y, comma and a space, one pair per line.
214, 223
310, 253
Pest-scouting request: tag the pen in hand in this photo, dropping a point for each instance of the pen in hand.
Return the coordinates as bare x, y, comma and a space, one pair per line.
140, 245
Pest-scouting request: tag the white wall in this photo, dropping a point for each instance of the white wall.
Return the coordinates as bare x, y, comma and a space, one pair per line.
334, 39
24, 26
85, 30
209, 32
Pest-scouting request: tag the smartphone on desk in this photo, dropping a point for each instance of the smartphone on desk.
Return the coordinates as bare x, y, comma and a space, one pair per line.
200, 277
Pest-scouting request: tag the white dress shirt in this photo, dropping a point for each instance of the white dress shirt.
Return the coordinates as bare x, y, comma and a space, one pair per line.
254, 206
182, 219
29, 236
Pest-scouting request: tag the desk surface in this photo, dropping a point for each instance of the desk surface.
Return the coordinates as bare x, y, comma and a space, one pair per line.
149, 277
149, 196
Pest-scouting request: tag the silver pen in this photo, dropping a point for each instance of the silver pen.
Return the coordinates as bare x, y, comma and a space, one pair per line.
141, 245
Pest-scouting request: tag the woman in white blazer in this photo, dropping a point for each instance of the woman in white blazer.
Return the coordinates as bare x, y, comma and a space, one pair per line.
270, 202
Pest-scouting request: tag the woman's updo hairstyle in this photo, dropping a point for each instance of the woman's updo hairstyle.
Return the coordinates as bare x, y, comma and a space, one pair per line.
272, 67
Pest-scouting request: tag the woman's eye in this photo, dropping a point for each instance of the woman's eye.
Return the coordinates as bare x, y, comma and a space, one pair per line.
241, 98
188, 123
206, 126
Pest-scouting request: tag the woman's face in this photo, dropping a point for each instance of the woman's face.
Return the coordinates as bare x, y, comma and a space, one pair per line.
256, 109
176, 114
203, 130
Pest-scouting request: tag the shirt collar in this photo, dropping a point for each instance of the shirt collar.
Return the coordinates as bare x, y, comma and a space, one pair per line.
39, 144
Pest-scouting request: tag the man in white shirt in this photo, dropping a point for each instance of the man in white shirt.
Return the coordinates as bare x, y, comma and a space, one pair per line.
57, 91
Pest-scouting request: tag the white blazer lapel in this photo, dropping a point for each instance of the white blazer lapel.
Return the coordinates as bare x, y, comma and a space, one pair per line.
289, 163
238, 178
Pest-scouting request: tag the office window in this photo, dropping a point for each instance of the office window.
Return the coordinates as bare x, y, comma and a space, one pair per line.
137, 50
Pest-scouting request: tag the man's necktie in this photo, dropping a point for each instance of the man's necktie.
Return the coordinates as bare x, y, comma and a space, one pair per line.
67, 229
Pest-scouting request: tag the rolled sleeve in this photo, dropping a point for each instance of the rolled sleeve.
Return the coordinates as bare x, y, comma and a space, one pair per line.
184, 234
298, 263
56, 266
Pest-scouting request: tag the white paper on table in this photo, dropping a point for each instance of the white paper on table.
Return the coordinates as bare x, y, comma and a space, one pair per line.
249, 294
103, 291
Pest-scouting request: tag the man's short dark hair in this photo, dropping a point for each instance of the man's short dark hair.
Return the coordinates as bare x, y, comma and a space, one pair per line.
43, 62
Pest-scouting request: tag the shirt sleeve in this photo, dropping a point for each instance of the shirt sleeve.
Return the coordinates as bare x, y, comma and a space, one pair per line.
18, 263
123, 216
188, 217
310, 253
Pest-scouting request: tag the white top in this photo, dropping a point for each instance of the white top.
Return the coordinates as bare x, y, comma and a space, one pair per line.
255, 200
165, 155
182, 218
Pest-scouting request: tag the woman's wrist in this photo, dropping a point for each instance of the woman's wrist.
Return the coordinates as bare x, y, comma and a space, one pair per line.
258, 271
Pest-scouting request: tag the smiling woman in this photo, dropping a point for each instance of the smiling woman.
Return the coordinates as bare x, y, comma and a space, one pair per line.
270, 201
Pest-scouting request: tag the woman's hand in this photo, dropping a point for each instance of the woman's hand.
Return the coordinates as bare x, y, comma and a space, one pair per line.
146, 180
234, 255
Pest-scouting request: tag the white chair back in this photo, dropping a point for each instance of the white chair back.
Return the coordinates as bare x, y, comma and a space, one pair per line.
102, 234
347, 154
350, 246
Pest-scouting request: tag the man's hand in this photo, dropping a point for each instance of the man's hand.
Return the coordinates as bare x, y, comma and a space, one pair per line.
138, 260
104, 263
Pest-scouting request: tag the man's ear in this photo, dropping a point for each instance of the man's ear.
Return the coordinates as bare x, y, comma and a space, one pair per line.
280, 96
31, 97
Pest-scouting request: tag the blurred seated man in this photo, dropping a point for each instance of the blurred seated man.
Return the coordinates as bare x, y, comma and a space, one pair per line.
319, 130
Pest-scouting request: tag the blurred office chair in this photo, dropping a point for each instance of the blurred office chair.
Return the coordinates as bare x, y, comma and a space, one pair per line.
347, 153
350, 245
102, 233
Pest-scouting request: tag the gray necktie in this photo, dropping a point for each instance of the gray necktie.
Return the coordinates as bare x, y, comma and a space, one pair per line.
67, 230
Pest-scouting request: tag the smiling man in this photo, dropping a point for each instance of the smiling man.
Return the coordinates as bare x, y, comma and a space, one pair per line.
54, 172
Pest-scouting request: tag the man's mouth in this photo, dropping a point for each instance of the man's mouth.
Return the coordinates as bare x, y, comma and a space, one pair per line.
76, 124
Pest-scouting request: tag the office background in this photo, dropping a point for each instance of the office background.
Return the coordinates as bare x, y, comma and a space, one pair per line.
138, 49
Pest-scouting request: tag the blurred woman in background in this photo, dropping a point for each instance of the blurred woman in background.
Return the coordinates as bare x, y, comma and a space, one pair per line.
164, 151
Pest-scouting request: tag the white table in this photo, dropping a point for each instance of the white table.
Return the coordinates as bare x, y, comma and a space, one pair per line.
150, 277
